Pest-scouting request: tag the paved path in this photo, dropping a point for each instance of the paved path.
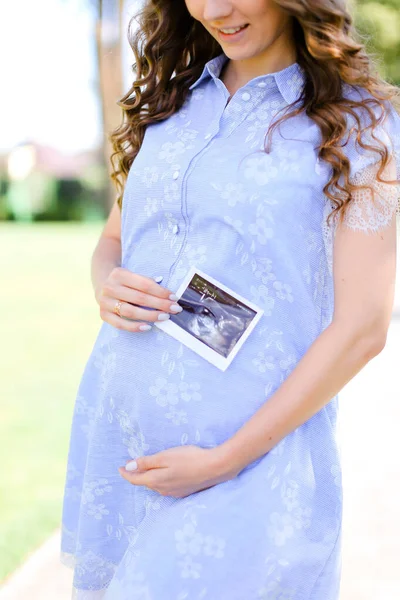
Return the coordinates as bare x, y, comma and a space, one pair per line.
369, 418
42, 577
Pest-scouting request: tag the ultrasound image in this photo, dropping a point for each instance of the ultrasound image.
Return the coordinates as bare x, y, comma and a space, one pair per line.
213, 316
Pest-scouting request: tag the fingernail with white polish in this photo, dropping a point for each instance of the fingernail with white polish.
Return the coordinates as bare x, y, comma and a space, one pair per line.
176, 308
131, 465
173, 297
163, 317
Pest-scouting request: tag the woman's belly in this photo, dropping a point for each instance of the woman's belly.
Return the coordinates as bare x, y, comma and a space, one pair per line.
174, 396
150, 393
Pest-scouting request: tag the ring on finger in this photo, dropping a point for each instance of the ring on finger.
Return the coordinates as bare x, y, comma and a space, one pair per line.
117, 308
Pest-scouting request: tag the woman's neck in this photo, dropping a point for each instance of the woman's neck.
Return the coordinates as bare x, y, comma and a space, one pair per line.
236, 73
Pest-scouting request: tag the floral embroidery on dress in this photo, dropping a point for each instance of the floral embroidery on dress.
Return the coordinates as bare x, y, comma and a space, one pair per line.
261, 169
87, 410
151, 206
261, 230
191, 543
133, 438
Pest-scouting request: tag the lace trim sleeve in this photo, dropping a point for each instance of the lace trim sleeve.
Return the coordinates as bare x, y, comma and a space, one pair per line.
369, 214
366, 212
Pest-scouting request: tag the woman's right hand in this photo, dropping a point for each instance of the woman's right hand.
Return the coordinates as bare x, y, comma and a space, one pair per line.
133, 289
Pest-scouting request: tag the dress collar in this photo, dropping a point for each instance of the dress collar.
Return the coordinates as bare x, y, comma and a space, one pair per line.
290, 80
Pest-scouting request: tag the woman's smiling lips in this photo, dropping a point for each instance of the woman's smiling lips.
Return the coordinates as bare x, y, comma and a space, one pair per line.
232, 34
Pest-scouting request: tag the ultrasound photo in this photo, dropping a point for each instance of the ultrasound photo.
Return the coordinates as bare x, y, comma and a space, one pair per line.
215, 320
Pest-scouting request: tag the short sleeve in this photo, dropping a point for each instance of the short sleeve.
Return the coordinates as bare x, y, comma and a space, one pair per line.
369, 212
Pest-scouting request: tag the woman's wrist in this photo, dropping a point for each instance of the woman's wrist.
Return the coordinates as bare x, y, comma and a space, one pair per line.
227, 461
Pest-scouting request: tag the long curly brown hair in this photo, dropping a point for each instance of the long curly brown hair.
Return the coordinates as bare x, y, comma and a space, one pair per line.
171, 48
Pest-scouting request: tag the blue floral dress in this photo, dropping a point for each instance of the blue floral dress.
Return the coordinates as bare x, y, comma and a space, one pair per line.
202, 192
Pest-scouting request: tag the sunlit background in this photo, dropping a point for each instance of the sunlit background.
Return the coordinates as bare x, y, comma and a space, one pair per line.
68, 62
65, 63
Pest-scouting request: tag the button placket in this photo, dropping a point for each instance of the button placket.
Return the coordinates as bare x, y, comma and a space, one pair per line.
174, 217
175, 175
180, 231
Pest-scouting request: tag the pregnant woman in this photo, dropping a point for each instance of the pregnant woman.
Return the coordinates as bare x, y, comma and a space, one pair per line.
258, 144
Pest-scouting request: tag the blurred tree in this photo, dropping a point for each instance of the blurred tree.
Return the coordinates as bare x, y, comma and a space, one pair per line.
108, 17
109, 35
379, 25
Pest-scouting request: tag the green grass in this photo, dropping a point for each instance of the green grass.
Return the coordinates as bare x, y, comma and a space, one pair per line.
48, 324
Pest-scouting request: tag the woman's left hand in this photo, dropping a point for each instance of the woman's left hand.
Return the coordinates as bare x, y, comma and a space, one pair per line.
181, 471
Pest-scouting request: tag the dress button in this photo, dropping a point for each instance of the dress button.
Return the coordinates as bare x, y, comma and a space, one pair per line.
207, 136
261, 84
175, 229
175, 175
246, 96
158, 278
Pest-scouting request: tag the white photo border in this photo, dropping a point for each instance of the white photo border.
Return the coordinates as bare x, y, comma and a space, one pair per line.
197, 345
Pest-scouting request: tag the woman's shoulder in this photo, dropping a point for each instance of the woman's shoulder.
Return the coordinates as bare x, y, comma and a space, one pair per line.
360, 126
364, 98
388, 109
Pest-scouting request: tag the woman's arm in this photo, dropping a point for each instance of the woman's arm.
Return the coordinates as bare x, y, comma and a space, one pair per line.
364, 266
107, 254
